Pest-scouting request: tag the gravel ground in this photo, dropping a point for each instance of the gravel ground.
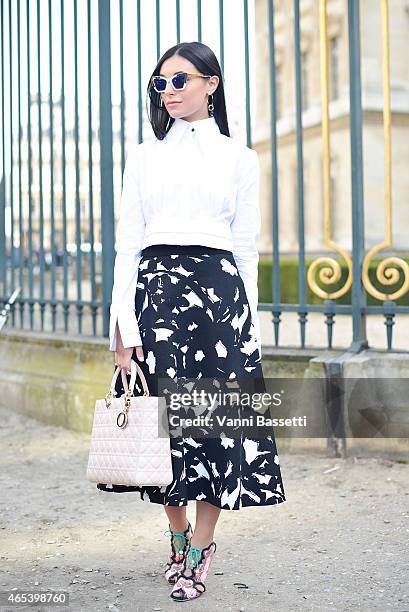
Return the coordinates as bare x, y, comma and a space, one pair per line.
339, 542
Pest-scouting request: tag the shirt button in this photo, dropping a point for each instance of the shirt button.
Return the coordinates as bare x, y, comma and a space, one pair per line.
193, 129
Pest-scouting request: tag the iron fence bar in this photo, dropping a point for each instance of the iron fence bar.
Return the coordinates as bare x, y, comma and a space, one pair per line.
106, 159
199, 20
40, 170
30, 174
11, 182
276, 297
94, 309
247, 70
358, 296
11, 202
323, 308
139, 39
57, 301
221, 34
20, 176
63, 170
52, 193
3, 266
78, 253
157, 17
300, 175
177, 22
121, 76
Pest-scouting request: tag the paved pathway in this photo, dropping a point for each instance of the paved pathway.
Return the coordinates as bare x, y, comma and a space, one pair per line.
339, 542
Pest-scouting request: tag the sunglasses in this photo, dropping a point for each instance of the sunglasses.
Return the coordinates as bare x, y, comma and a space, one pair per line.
178, 81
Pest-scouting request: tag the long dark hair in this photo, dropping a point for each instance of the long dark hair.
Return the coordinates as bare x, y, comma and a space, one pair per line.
206, 62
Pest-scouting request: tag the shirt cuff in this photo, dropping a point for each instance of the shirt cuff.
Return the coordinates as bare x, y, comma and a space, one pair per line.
128, 328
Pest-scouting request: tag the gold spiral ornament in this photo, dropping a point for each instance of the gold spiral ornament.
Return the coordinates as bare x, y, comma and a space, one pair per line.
386, 275
329, 274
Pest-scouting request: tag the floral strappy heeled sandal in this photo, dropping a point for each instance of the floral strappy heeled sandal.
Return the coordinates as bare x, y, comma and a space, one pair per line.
178, 546
190, 582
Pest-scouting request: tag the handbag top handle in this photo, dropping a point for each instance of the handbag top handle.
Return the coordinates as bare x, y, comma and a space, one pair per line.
135, 369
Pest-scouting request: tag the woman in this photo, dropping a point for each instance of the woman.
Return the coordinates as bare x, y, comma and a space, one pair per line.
184, 301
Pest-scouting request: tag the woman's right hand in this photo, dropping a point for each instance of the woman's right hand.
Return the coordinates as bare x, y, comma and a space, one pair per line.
123, 355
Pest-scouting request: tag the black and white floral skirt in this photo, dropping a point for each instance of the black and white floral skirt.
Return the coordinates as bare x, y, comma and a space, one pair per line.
195, 323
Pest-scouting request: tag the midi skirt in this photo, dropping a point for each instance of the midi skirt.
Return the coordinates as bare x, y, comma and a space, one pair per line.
195, 323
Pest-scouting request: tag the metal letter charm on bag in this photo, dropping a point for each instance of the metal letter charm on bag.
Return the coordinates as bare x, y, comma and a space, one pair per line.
130, 442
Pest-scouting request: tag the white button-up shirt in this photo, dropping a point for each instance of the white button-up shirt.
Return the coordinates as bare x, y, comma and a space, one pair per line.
196, 186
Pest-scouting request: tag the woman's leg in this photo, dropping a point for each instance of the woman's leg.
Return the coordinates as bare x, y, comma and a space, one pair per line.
206, 519
177, 517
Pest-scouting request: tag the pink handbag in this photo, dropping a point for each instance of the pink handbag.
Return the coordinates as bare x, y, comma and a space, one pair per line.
130, 442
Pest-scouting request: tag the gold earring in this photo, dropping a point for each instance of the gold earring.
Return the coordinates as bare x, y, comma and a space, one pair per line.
210, 106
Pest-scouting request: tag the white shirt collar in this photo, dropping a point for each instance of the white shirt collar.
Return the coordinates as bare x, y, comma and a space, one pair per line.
204, 128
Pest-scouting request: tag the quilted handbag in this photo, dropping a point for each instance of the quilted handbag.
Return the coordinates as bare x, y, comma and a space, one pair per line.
130, 442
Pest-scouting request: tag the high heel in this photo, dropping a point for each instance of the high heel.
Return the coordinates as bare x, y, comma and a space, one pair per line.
179, 542
191, 579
